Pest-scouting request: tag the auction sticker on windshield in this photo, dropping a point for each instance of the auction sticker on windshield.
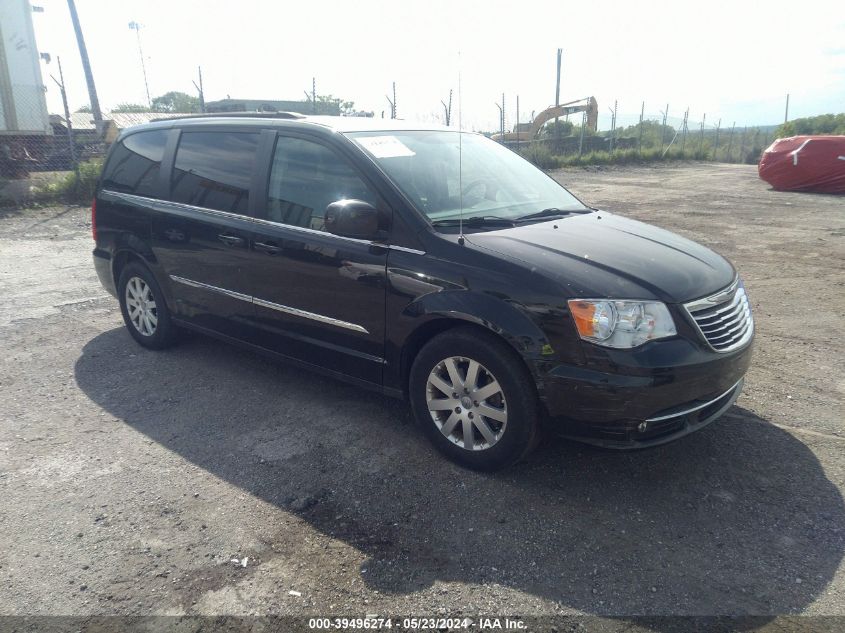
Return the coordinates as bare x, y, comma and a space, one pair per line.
384, 146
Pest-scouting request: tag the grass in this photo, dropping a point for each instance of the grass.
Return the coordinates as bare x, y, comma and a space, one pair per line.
745, 149
73, 188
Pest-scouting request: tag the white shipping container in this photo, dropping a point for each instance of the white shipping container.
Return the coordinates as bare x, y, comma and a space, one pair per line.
23, 105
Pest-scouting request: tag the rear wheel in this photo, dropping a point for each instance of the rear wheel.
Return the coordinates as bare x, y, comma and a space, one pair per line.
474, 399
143, 307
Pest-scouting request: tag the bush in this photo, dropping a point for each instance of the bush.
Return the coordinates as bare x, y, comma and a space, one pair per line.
73, 188
822, 124
541, 155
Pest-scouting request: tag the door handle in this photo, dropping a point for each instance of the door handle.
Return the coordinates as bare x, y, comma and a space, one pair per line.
269, 248
230, 240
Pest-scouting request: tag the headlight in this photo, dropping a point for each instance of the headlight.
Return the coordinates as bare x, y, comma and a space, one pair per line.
621, 324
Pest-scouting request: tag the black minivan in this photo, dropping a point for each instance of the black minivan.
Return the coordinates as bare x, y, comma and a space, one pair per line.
426, 263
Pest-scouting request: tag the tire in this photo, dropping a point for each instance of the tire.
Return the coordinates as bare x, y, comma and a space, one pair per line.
150, 323
504, 424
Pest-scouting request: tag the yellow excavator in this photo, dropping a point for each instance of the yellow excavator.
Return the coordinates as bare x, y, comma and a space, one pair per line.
587, 105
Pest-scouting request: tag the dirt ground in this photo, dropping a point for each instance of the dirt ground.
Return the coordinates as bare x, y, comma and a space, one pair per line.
208, 480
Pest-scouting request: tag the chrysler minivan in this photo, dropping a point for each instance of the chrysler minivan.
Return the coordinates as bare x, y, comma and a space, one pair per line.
429, 264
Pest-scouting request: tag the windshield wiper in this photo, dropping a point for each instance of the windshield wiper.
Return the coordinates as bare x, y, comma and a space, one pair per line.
476, 220
551, 212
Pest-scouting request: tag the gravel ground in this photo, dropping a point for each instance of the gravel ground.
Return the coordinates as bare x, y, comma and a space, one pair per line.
208, 480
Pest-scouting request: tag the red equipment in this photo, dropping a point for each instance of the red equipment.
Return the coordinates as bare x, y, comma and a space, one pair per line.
805, 163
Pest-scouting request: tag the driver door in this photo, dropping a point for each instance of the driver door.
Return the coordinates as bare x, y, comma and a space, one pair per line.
318, 297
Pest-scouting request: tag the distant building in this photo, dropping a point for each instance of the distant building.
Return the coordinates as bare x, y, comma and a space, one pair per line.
83, 122
259, 105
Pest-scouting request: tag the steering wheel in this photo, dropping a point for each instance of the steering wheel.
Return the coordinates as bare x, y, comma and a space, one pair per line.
490, 189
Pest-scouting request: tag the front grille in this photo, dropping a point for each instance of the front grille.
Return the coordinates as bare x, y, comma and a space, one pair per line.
724, 319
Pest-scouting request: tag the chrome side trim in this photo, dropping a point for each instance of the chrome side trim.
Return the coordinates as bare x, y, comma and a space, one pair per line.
405, 249
222, 291
354, 240
165, 205
695, 408
303, 229
309, 315
273, 306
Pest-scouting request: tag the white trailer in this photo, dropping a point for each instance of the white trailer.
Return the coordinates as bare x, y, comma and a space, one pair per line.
23, 105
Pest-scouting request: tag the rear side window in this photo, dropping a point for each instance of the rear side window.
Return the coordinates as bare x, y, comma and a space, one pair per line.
135, 163
305, 178
214, 170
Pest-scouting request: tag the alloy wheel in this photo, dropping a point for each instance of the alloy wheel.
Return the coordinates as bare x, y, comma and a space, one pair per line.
466, 403
141, 306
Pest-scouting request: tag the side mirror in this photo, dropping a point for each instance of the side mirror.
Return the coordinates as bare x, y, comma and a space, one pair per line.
354, 218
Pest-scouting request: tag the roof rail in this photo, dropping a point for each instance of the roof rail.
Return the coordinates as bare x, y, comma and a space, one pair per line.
251, 115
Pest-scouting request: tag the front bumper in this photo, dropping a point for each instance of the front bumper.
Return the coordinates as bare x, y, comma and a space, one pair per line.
650, 406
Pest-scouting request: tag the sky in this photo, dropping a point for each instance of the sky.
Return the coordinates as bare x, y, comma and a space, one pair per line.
731, 61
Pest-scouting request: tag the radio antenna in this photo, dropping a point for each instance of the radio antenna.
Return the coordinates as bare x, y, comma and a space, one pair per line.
460, 158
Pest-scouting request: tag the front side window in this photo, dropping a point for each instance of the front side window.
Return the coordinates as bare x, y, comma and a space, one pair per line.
447, 174
305, 178
214, 170
135, 163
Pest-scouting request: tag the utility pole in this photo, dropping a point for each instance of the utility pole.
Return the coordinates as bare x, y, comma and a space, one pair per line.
716, 150
731, 142
663, 129
685, 129
199, 89
503, 116
68, 124
501, 125
394, 100
86, 66
557, 96
137, 28
517, 123
583, 125
701, 136
786, 114
447, 109
640, 142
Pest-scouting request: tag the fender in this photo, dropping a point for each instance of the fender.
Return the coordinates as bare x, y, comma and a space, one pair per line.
504, 318
131, 246
429, 314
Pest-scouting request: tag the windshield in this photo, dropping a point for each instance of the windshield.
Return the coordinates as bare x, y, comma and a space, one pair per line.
496, 182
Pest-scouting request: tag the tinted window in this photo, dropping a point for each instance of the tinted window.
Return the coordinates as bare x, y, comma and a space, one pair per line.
135, 162
431, 166
214, 170
305, 178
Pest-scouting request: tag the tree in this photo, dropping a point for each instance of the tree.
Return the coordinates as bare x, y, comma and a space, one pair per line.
85, 108
176, 102
564, 128
130, 107
346, 107
654, 133
822, 124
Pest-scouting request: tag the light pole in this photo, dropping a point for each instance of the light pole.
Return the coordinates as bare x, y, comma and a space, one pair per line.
86, 67
135, 26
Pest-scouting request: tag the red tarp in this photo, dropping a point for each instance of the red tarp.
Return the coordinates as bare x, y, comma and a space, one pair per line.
805, 163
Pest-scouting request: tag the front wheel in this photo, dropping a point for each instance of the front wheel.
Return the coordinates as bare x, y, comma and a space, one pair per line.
474, 399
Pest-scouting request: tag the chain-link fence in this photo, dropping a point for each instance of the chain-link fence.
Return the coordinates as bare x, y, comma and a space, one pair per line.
644, 137
58, 158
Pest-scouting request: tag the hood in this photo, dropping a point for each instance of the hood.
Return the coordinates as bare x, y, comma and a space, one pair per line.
604, 255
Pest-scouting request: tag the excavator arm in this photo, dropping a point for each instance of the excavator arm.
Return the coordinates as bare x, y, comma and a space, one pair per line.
587, 105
